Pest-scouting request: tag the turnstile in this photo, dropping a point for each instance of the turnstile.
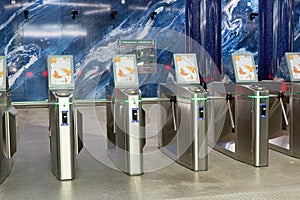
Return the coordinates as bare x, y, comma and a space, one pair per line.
242, 134
284, 115
126, 129
182, 135
65, 122
65, 134
8, 138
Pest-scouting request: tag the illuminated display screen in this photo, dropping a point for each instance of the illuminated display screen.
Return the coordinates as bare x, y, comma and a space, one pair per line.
293, 63
186, 69
2, 73
244, 67
125, 71
60, 70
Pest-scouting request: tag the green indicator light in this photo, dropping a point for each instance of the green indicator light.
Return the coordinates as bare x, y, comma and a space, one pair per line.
195, 99
128, 101
255, 97
56, 103
134, 101
198, 99
259, 97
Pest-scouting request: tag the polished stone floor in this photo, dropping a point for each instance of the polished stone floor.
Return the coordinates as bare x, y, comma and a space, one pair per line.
31, 176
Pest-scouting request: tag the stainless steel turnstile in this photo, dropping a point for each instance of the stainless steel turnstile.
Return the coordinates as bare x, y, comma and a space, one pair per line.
243, 132
65, 133
126, 129
183, 133
8, 138
284, 128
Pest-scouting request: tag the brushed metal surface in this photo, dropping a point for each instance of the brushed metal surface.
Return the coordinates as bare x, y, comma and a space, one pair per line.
248, 142
126, 136
188, 144
295, 125
284, 137
253, 146
8, 134
62, 135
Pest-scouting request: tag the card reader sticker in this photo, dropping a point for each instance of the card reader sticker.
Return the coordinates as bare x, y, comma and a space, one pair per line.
134, 113
201, 112
64, 118
263, 109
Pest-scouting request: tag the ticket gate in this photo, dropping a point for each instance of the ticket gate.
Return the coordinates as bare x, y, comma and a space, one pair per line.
125, 129
65, 134
241, 129
182, 136
284, 115
8, 138
65, 121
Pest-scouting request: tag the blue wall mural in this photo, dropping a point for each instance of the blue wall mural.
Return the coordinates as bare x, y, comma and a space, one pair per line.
297, 26
203, 25
239, 32
32, 29
277, 35
92, 34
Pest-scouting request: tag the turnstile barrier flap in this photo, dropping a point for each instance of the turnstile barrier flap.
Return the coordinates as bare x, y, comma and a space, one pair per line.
10, 131
78, 126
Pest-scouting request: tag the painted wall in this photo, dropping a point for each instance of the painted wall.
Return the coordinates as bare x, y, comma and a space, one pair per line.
203, 25
91, 37
297, 26
239, 32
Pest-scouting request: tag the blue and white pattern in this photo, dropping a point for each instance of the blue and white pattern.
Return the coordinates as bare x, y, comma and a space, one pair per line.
239, 32
297, 26
90, 37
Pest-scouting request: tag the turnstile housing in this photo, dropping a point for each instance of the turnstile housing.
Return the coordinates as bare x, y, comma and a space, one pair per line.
248, 140
284, 137
8, 137
65, 134
126, 129
295, 125
252, 124
184, 140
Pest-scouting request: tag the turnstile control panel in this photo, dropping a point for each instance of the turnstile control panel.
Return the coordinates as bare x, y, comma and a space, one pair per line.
125, 117
252, 129
241, 122
183, 133
65, 122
